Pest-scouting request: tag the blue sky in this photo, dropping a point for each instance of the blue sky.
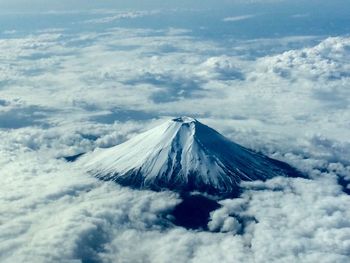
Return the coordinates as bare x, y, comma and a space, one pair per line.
270, 18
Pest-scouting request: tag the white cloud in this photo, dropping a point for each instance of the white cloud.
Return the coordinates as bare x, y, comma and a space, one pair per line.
222, 221
299, 223
328, 60
120, 16
237, 18
74, 216
71, 215
300, 15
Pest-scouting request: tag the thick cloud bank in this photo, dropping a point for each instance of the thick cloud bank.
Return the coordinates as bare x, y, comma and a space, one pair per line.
66, 91
53, 213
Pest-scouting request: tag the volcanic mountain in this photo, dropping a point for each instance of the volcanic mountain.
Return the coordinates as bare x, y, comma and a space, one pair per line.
184, 155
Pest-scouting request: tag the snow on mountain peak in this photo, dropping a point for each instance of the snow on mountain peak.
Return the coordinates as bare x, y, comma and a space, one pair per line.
184, 119
183, 155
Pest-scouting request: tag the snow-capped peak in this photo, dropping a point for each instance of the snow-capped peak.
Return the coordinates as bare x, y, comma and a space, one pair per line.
185, 155
184, 119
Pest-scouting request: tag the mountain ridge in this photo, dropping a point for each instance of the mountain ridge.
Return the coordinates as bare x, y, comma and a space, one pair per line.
183, 154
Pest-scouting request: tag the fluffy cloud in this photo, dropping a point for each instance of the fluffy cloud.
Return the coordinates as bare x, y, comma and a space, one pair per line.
316, 227
72, 215
326, 61
52, 212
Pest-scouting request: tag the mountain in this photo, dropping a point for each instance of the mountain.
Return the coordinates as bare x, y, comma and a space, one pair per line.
184, 155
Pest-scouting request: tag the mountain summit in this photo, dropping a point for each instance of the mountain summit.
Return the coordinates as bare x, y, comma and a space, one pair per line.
182, 154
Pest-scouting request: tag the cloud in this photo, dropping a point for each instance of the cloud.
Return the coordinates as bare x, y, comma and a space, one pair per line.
14, 115
221, 221
169, 87
76, 217
327, 60
78, 230
120, 16
222, 68
300, 15
307, 224
237, 18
